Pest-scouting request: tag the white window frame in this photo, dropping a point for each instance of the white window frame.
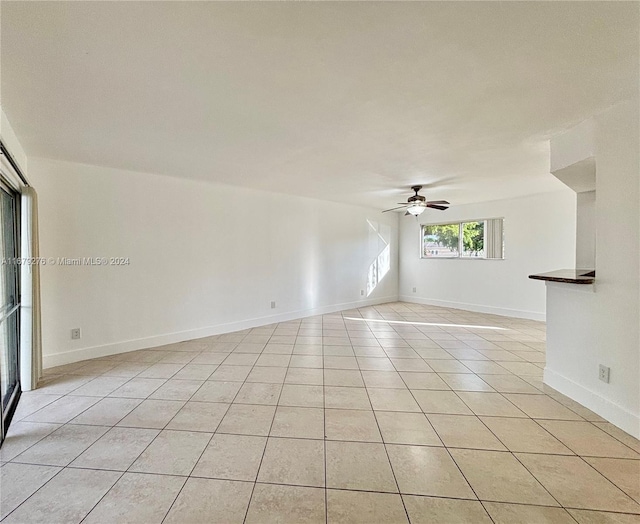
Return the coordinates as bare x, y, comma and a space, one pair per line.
460, 239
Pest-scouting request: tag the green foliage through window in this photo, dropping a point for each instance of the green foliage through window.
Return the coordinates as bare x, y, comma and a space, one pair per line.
473, 239
441, 240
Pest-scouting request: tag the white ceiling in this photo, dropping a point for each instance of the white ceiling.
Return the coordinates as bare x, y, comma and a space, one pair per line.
339, 101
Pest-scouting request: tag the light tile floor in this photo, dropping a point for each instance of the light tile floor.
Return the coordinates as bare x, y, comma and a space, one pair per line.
392, 413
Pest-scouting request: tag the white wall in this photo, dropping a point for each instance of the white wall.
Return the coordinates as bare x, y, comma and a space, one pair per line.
568, 149
205, 258
585, 329
12, 143
586, 230
539, 233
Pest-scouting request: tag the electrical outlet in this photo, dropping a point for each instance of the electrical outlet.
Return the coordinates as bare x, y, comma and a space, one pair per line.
273, 304
604, 373
75, 334
415, 289
362, 292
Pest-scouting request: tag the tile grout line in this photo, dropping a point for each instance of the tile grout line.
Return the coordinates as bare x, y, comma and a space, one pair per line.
155, 438
266, 443
449, 454
32, 494
386, 451
514, 456
461, 472
102, 497
199, 456
160, 430
324, 427
408, 341
527, 504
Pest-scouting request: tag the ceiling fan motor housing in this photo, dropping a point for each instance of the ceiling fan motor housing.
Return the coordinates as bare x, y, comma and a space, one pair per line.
416, 197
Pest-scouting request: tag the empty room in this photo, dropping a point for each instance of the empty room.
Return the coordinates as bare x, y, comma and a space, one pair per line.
319, 262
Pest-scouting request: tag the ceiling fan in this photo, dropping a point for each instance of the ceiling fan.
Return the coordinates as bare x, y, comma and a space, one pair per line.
416, 204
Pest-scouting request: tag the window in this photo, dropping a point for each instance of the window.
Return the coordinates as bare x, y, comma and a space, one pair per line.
441, 241
476, 239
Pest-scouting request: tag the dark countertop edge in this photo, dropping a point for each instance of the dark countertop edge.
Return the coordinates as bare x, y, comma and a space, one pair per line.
567, 276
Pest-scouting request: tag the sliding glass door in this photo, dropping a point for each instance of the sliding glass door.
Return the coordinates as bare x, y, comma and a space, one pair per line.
9, 304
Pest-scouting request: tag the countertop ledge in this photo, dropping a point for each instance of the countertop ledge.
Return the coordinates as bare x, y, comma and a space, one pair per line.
568, 276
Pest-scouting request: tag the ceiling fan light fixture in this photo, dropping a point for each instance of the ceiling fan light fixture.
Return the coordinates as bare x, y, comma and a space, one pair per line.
416, 209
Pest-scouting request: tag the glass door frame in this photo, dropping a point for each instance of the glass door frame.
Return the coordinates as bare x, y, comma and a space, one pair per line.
8, 409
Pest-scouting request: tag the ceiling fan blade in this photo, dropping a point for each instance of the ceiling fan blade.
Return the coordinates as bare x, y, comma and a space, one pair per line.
394, 208
435, 206
438, 202
407, 213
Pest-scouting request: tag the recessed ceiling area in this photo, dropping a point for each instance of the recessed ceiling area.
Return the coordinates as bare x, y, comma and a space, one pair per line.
350, 102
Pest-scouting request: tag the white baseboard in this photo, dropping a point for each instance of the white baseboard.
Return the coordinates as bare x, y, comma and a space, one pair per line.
530, 315
617, 415
68, 357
